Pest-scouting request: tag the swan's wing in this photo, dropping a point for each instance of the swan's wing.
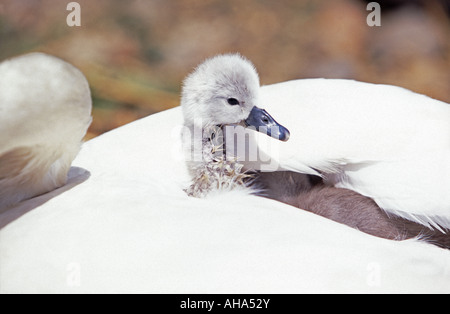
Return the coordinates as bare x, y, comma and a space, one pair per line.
385, 142
425, 195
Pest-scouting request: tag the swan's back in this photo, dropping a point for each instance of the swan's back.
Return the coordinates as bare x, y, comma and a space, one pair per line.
131, 228
45, 108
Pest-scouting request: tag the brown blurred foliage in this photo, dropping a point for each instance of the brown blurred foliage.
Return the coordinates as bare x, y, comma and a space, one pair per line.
136, 53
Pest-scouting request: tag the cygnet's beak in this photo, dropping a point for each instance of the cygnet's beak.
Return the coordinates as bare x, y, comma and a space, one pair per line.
264, 123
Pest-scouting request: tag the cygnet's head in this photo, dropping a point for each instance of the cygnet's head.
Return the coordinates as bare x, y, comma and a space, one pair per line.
225, 90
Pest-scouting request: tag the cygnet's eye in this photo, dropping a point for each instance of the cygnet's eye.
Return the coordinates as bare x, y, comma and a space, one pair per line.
233, 101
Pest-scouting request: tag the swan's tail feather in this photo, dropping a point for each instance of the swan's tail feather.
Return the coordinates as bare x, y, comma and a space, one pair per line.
440, 223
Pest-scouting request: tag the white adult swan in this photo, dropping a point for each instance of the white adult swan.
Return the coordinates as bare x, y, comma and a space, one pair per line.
45, 110
130, 227
382, 141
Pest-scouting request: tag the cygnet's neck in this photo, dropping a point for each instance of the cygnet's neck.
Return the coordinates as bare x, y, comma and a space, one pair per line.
210, 167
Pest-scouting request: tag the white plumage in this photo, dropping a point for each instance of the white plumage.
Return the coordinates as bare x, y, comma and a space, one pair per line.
130, 227
123, 223
382, 141
45, 108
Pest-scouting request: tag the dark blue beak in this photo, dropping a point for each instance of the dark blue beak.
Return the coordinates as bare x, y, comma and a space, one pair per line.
264, 123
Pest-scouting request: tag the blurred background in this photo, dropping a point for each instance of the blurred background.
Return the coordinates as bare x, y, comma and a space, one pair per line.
136, 53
